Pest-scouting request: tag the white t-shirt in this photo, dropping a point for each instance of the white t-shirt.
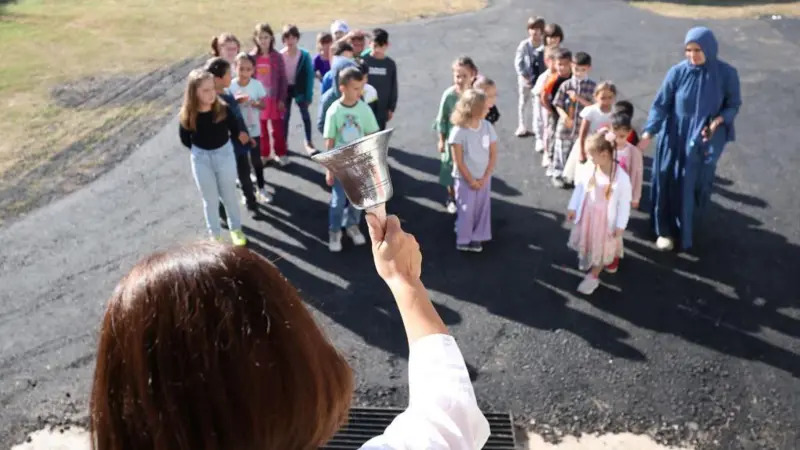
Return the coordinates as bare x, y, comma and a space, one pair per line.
255, 90
370, 94
596, 117
475, 143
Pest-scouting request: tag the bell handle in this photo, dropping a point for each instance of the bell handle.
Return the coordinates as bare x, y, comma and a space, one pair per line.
378, 211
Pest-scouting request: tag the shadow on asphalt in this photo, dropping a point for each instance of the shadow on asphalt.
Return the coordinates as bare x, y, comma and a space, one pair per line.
734, 285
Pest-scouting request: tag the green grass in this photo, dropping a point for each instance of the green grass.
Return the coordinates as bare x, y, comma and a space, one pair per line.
81, 38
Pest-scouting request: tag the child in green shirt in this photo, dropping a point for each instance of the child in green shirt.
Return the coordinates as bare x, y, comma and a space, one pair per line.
348, 119
464, 73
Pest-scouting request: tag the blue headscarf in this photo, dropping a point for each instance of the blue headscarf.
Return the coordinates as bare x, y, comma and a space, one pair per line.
709, 93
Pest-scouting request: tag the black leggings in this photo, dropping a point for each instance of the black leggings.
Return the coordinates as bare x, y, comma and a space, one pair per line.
255, 162
243, 172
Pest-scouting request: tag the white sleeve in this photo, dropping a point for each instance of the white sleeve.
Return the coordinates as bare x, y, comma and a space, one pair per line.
624, 199
540, 81
443, 413
577, 196
588, 113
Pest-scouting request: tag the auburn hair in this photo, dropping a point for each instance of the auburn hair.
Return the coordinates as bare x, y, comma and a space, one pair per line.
608, 86
323, 38
469, 106
191, 105
263, 28
208, 347
600, 144
466, 61
218, 41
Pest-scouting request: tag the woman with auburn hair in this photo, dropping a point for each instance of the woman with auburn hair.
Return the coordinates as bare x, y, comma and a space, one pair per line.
208, 347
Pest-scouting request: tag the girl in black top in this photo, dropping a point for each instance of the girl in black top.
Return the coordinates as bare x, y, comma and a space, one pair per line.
221, 69
206, 126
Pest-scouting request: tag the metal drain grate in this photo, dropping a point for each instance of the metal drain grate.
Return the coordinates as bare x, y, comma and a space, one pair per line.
366, 423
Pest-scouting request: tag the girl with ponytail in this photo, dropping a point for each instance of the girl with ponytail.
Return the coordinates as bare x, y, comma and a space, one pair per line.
226, 46
600, 207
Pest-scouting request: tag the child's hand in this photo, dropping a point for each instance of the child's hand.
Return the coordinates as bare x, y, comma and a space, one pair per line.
253, 143
440, 147
583, 156
572, 95
568, 123
635, 205
570, 215
389, 116
618, 233
244, 138
475, 185
329, 178
644, 142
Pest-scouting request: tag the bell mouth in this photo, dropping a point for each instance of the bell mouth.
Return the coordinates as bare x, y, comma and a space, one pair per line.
361, 167
327, 155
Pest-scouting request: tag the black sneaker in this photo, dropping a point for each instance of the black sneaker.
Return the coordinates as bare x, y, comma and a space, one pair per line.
253, 209
463, 247
475, 247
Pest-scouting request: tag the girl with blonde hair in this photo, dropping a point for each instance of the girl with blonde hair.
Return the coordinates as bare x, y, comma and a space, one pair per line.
474, 145
600, 208
206, 127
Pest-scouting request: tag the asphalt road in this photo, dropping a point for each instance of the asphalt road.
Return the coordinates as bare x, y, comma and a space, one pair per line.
702, 347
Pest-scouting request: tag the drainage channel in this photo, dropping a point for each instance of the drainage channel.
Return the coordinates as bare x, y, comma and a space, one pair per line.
365, 423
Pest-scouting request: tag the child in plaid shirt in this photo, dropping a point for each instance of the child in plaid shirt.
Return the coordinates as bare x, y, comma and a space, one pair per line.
569, 100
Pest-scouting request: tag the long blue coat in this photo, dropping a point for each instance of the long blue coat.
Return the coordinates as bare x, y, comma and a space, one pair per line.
684, 166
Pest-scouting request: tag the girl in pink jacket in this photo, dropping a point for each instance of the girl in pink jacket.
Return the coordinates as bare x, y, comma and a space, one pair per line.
270, 71
629, 156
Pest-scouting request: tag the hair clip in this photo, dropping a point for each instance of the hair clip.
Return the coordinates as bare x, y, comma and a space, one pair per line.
610, 136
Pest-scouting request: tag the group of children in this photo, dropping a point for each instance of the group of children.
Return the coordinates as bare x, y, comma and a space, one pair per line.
238, 100
587, 141
585, 135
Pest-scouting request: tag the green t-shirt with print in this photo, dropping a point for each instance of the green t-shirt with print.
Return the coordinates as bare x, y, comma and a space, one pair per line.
345, 124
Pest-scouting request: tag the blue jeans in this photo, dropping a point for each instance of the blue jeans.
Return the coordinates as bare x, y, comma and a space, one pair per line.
341, 213
303, 107
215, 175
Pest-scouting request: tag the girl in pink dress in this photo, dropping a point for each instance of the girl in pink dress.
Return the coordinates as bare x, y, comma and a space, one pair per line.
270, 71
600, 207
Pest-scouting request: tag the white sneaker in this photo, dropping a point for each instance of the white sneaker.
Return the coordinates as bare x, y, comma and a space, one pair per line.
355, 235
539, 146
263, 196
244, 200
335, 241
588, 285
545, 159
253, 178
521, 132
281, 162
451, 207
664, 244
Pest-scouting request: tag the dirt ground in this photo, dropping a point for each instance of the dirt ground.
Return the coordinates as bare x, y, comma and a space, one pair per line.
720, 9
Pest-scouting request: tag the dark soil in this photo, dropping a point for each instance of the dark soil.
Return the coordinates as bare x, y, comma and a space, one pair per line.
82, 162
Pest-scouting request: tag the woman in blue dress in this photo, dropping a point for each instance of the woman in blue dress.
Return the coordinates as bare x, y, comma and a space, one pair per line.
692, 115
